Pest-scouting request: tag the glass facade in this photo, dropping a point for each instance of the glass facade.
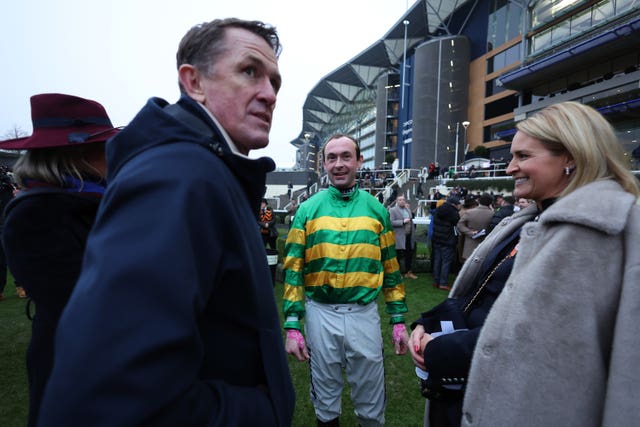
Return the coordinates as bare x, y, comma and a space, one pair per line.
546, 11
558, 21
366, 136
505, 21
503, 59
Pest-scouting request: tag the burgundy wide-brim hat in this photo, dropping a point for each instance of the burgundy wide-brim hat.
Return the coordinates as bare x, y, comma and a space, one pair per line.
61, 120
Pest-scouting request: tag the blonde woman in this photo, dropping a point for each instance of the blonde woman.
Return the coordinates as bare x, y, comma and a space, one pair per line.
560, 344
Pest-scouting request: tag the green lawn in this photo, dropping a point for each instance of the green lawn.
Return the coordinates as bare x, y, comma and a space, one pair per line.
15, 331
404, 403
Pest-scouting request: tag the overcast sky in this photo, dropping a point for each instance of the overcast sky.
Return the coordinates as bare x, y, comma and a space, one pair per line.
122, 52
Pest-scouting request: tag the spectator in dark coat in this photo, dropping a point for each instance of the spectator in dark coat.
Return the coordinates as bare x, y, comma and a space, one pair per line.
47, 223
267, 223
6, 194
309, 184
504, 210
444, 240
173, 320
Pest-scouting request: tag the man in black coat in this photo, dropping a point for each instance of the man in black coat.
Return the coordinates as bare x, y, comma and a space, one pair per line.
444, 241
504, 210
6, 194
173, 320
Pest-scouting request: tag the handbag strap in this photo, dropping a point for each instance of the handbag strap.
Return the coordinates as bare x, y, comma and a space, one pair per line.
510, 255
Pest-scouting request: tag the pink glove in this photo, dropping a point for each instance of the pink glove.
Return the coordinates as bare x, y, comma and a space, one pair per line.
398, 329
295, 345
400, 338
294, 334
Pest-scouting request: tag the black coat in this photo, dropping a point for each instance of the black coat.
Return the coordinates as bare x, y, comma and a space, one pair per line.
173, 320
502, 213
44, 239
445, 219
448, 357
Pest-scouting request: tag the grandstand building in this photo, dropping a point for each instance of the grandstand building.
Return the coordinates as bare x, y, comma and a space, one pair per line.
451, 76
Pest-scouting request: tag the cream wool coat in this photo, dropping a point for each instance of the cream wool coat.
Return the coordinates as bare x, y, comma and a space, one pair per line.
561, 345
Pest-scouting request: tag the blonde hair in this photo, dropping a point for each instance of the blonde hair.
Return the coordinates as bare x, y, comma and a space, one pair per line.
583, 133
53, 164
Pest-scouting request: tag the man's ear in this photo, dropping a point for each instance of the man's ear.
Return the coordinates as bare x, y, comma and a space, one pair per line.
191, 80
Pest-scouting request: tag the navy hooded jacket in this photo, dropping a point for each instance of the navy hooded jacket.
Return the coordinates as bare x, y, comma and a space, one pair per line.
173, 320
445, 219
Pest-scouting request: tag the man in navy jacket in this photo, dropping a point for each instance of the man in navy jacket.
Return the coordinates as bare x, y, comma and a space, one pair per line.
444, 240
173, 320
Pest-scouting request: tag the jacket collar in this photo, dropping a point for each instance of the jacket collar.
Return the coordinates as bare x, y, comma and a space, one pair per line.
601, 205
339, 195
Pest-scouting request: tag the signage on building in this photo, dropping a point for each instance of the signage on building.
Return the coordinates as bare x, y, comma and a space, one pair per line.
407, 132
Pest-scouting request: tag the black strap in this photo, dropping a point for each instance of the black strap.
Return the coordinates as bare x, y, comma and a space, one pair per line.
27, 309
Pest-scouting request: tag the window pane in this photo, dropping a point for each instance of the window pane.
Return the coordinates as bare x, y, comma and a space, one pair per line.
602, 11
541, 41
491, 33
541, 13
514, 21
501, 22
512, 55
581, 22
545, 11
498, 61
624, 5
561, 31
490, 67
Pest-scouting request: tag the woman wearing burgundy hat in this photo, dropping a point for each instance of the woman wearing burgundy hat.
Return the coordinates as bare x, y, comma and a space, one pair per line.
61, 179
